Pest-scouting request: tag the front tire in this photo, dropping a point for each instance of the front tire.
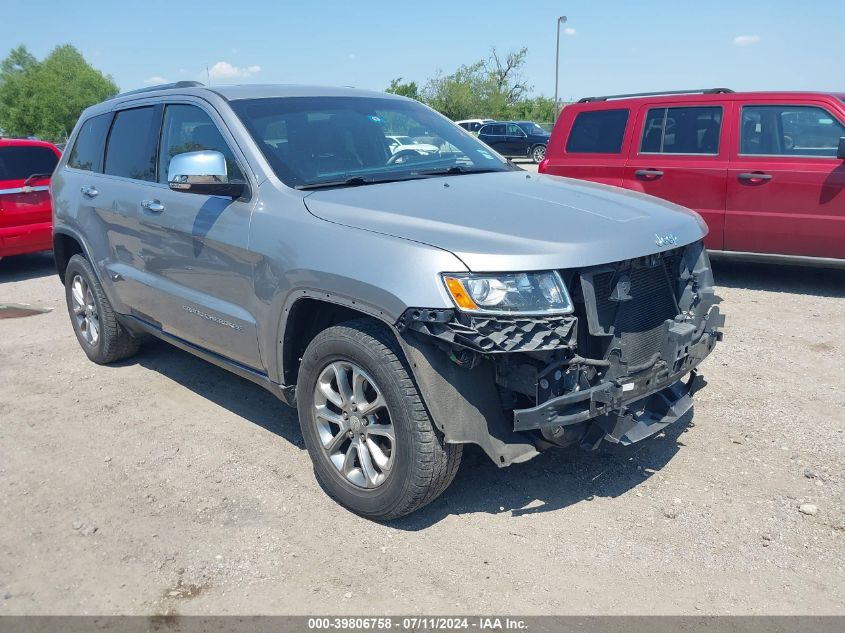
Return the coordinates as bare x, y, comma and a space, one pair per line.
370, 438
538, 153
98, 330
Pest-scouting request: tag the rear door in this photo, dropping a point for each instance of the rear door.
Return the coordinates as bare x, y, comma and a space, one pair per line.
494, 135
785, 184
682, 155
593, 149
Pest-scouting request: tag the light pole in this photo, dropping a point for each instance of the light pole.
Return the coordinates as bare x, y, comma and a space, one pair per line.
560, 21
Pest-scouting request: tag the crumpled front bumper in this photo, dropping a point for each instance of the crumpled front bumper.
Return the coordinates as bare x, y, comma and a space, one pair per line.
631, 408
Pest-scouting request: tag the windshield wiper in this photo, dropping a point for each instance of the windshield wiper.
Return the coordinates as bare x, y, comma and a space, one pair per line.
355, 181
455, 170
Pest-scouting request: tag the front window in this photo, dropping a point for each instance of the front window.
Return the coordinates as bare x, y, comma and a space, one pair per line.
333, 139
19, 162
789, 131
533, 128
188, 128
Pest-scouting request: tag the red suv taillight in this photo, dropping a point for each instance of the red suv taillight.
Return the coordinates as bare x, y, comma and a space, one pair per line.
541, 168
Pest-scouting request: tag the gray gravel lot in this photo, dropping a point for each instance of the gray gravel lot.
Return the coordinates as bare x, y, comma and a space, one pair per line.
166, 485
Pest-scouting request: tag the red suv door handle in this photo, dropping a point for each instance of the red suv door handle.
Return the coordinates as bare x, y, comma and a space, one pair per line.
648, 174
755, 177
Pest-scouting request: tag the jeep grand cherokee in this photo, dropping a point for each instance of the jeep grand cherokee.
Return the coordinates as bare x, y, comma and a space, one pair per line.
406, 303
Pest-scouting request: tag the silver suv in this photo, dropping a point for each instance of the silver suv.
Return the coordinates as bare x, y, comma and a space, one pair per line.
407, 303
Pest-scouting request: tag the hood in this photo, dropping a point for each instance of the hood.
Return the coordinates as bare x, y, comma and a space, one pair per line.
508, 221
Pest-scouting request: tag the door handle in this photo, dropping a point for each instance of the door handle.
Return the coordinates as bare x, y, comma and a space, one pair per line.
755, 177
648, 174
153, 206
89, 192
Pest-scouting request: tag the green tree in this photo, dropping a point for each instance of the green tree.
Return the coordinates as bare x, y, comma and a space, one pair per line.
493, 87
45, 98
404, 90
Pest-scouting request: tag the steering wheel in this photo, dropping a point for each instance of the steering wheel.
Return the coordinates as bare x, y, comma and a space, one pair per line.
407, 152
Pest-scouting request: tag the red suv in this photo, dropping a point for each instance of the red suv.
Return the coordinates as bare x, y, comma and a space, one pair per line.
764, 169
25, 213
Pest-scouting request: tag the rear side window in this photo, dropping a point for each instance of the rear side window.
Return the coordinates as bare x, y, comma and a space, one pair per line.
692, 130
19, 162
131, 151
493, 130
598, 132
87, 152
789, 131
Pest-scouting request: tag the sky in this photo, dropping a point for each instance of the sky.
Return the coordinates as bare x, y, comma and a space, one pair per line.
606, 46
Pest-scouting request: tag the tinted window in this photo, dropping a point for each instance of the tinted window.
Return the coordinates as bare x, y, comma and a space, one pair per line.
693, 130
131, 151
789, 131
530, 127
87, 152
598, 132
187, 128
19, 162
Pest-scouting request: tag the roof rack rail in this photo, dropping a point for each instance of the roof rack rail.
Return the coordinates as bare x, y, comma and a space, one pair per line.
704, 91
177, 84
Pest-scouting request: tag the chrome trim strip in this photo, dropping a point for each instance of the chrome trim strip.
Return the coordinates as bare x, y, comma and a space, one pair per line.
774, 258
24, 189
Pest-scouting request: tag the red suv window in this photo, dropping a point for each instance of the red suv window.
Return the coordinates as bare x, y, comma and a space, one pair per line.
598, 132
688, 130
21, 162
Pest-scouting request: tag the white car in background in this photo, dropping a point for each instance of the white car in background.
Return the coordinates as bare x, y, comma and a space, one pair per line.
473, 125
399, 143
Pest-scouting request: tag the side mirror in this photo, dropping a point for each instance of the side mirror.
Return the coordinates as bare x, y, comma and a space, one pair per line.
840, 153
202, 172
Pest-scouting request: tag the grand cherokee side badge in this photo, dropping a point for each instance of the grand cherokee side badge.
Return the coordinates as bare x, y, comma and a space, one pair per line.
670, 239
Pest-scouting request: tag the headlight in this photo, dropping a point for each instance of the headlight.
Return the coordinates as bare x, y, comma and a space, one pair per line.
509, 293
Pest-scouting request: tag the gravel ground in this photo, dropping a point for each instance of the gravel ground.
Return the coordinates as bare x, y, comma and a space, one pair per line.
165, 485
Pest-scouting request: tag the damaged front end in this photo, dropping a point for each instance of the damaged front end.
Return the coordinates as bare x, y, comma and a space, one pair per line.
619, 368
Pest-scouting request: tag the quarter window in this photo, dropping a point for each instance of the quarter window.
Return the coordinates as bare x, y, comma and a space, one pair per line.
87, 152
597, 132
188, 128
693, 130
789, 131
131, 151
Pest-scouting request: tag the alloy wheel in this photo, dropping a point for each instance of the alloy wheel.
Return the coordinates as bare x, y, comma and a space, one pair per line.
354, 424
85, 310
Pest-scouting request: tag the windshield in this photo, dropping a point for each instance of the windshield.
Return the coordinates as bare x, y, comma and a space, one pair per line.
310, 140
19, 162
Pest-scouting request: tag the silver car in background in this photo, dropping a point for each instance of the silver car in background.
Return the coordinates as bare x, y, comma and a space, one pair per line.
407, 303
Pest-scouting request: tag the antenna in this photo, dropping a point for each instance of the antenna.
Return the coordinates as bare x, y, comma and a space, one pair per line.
207, 76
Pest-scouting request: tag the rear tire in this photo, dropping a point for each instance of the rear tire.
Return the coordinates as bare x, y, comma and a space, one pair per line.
408, 471
98, 330
538, 153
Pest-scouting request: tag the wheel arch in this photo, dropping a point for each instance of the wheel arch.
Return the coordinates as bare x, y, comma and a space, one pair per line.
307, 316
66, 244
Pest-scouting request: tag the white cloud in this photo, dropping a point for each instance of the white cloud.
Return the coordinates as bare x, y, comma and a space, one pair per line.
225, 70
155, 80
570, 31
746, 40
